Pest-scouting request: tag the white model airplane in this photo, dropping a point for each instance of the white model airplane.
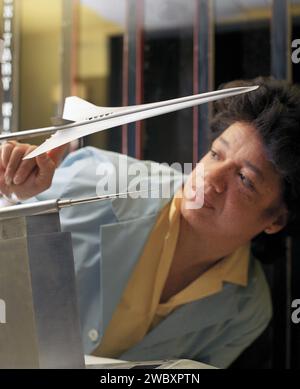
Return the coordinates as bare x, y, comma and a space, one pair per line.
85, 118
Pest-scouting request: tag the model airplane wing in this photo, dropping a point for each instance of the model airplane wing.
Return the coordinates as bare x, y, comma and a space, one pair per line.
90, 119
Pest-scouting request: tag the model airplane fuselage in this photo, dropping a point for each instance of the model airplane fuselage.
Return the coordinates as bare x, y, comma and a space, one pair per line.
84, 118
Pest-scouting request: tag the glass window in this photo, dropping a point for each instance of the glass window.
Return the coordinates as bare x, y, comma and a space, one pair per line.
39, 62
168, 73
100, 54
242, 40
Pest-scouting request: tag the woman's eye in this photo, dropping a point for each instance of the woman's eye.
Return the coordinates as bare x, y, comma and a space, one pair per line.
246, 181
213, 154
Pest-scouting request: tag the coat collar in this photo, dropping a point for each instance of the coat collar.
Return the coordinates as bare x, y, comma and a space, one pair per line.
192, 317
203, 313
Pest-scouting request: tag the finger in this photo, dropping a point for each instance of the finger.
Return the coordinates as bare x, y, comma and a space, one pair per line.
39, 179
3, 187
28, 188
25, 168
13, 163
6, 151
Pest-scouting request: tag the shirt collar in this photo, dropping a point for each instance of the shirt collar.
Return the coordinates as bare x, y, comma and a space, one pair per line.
234, 267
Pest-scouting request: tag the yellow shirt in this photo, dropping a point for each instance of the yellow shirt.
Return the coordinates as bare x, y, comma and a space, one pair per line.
139, 309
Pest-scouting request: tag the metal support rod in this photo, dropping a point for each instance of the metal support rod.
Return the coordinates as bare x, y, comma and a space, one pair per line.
54, 205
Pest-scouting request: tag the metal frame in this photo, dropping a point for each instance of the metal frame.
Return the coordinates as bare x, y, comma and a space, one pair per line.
133, 75
281, 65
282, 272
69, 55
69, 62
203, 77
12, 95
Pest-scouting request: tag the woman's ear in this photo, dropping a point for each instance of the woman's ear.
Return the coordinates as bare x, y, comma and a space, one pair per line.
279, 222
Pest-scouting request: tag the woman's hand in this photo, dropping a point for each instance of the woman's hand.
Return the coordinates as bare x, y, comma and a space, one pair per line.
29, 177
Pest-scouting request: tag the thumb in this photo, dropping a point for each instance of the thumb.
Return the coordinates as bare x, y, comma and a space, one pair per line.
57, 154
46, 167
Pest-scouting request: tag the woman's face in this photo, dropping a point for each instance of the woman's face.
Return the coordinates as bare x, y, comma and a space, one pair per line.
238, 187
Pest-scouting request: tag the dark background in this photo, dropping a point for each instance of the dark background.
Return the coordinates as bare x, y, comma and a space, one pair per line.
241, 52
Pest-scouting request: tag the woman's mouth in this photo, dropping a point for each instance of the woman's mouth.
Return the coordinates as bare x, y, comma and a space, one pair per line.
207, 204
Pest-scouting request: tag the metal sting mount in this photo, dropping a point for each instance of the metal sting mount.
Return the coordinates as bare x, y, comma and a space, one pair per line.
37, 284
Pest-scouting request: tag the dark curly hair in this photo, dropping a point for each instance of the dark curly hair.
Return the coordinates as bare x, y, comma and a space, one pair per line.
274, 111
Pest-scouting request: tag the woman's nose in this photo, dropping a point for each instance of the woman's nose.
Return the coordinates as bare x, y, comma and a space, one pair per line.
217, 176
